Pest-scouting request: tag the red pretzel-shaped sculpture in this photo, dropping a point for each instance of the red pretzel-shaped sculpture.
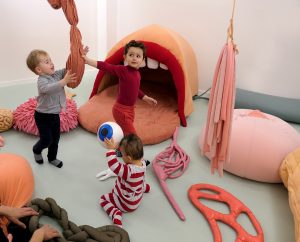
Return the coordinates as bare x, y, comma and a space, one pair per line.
236, 208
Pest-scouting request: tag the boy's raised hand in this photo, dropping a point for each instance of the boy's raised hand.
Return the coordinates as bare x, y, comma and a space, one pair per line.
69, 77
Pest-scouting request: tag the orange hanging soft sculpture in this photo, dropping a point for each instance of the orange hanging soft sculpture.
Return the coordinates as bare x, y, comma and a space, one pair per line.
75, 62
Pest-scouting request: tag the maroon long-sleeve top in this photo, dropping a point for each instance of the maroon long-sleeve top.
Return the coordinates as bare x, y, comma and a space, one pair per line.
129, 82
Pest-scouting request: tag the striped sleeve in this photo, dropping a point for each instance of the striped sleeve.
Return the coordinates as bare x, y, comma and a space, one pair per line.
121, 170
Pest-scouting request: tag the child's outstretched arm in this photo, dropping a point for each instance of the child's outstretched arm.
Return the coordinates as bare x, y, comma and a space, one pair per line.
88, 60
118, 168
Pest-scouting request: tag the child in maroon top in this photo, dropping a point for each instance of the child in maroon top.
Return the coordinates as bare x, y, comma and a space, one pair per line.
129, 84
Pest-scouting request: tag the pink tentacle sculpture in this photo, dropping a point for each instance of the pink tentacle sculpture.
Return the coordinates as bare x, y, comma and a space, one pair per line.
171, 163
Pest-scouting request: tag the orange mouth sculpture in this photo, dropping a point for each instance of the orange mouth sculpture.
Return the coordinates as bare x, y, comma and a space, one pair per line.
169, 75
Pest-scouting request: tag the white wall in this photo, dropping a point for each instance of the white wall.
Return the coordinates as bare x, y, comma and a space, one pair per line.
267, 33
32, 24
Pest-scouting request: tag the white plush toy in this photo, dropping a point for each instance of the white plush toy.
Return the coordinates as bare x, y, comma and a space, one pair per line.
103, 175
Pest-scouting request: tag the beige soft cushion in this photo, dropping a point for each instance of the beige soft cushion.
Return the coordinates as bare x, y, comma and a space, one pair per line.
6, 119
290, 175
153, 124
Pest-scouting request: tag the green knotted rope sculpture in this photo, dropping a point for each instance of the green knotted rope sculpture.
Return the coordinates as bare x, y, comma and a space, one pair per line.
72, 232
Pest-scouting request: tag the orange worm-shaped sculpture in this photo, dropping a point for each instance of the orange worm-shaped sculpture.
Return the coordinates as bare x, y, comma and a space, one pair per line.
75, 62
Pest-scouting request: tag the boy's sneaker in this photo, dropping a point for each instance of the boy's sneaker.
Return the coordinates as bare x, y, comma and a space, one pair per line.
38, 158
56, 162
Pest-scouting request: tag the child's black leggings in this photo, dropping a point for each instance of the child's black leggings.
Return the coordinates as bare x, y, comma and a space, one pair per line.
49, 128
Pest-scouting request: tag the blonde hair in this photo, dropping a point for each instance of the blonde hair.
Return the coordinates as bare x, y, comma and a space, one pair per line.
33, 59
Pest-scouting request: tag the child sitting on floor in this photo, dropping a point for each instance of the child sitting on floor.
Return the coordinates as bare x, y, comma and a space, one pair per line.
130, 185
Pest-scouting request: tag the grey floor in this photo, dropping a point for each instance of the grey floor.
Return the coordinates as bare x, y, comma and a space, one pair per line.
75, 187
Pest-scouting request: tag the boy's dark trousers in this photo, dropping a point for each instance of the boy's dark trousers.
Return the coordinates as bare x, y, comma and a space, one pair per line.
49, 128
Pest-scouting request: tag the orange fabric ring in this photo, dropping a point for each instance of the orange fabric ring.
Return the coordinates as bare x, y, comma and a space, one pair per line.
236, 208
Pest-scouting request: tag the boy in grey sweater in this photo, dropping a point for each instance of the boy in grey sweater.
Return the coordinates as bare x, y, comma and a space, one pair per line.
50, 100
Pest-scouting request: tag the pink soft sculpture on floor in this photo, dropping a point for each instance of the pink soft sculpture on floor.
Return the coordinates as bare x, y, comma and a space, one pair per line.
259, 143
24, 117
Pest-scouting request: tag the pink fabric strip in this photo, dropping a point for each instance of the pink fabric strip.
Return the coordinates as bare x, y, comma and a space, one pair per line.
220, 110
171, 163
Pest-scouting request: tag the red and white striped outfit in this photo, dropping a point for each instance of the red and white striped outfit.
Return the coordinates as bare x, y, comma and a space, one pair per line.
128, 191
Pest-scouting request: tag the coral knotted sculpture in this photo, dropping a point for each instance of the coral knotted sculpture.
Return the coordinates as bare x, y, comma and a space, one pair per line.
6, 119
24, 117
199, 192
75, 62
72, 232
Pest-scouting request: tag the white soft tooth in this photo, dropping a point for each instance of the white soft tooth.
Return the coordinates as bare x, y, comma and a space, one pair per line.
152, 64
163, 66
143, 64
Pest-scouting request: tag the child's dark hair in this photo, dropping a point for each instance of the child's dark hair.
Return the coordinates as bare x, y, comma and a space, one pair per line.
132, 146
136, 44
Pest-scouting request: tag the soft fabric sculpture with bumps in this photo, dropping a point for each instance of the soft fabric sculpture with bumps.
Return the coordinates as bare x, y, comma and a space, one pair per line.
6, 119
24, 117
